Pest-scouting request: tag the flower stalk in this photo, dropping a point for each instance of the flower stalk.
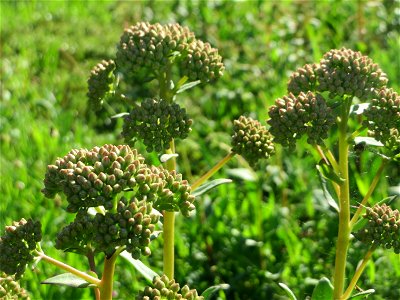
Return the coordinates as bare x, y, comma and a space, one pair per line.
357, 274
212, 171
68, 268
344, 205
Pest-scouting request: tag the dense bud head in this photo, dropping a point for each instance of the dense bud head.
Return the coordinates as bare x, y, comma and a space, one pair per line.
131, 226
202, 62
168, 289
251, 140
10, 288
100, 82
347, 72
383, 118
17, 245
303, 80
91, 178
382, 229
150, 47
146, 50
172, 194
294, 116
78, 234
156, 122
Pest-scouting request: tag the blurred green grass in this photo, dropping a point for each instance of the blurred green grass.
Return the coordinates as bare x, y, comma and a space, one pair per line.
278, 222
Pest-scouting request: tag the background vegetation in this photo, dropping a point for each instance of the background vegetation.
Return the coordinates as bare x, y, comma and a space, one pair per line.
272, 224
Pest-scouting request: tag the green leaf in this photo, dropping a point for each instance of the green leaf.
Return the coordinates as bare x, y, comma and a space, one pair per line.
287, 290
369, 141
243, 173
187, 86
120, 115
212, 289
181, 82
147, 273
363, 294
68, 279
210, 185
328, 191
323, 290
328, 173
359, 224
166, 157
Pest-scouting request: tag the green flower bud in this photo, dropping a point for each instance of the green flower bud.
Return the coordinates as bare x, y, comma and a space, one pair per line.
303, 80
202, 62
346, 72
148, 48
251, 140
78, 234
17, 245
74, 173
383, 118
10, 288
168, 289
294, 116
382, 229
156, 123
100, 82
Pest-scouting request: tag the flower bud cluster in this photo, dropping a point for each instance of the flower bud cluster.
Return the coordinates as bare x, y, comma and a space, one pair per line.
383, 118
156, 122
252, 140
17, 245
167, 190
383, 227
152, 47
348, 72
10, 289
340, 72
202, 62
100, 81
91, 178
293, 116
131, 226
78, 235
304, 79
165, 288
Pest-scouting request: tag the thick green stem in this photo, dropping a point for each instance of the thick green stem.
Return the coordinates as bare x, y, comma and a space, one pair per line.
344, 206
169, 240
369, 193
107, 280
169, 226
68, 268
212, 171
169, 217
357, 274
